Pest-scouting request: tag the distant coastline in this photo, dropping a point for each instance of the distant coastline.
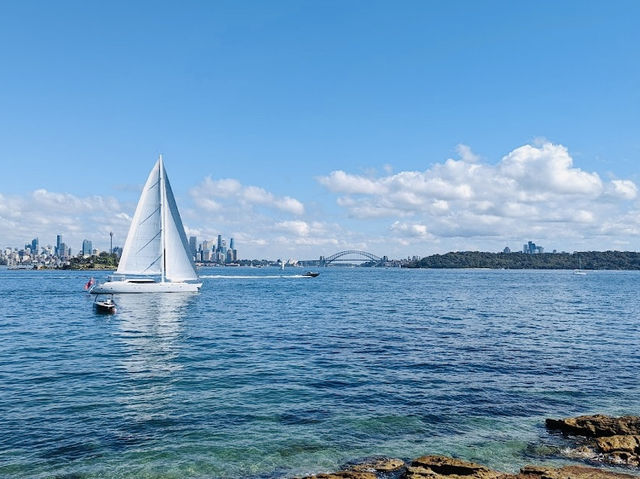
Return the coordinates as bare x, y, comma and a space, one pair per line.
587, 260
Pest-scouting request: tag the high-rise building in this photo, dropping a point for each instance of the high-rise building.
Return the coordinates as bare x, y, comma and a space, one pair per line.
193, 245
58, 243
232, 244
532, 248
219, 242
35, 246
86, 248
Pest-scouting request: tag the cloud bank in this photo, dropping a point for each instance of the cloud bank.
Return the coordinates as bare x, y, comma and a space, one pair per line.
532, 192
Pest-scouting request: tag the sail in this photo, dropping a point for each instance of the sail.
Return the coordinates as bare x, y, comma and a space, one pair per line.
179, 263
142, 253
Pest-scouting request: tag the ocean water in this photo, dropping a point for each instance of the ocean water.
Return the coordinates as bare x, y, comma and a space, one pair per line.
268, 374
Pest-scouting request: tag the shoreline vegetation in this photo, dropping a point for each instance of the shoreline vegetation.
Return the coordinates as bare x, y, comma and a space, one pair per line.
597, 439
587, 260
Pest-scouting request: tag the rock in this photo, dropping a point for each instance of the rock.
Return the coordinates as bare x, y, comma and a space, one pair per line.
616, 440
369, 469
609, 444
442, 467
434, 467
597, 425
345, 475
379, 464
567, 472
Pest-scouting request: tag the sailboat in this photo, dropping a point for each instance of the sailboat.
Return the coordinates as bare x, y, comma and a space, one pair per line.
156, 256
579, 271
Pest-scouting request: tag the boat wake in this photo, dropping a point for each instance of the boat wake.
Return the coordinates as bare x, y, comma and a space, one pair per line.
271, 276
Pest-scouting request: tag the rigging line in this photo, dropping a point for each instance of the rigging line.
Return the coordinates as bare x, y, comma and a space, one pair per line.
152, 263
147, 243
152, 213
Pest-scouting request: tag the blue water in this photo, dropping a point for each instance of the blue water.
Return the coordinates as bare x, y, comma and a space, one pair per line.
263, 375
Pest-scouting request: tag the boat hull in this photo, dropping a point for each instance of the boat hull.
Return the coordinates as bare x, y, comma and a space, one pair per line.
111, 287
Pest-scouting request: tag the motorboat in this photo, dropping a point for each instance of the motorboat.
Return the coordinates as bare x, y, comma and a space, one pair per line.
311, 274
106, 306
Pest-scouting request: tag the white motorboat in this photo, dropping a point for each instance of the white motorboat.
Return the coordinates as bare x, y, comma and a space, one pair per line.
155, 257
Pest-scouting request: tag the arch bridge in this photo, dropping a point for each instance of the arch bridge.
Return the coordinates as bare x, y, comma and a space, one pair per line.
340, 256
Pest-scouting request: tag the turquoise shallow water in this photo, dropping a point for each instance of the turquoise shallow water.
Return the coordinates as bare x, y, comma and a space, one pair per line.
264, 374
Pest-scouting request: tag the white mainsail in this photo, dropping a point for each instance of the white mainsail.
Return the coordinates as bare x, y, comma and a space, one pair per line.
156, 243
142, 252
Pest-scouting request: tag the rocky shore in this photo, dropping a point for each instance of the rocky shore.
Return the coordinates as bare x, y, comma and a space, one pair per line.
593, 439
611, 440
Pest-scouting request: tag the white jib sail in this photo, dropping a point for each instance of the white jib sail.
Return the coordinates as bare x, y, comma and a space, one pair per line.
142, 253
179, 264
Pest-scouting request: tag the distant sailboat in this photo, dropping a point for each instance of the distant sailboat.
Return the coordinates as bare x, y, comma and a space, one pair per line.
579, 271
156, 252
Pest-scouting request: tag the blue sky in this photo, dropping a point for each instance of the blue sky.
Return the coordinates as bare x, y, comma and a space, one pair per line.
274, 98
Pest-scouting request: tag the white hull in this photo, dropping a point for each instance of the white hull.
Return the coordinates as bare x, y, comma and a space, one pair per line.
110, 287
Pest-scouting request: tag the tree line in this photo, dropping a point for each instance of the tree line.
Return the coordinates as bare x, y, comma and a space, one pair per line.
617, 260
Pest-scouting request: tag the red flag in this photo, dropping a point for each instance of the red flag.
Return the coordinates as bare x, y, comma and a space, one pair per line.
90, 283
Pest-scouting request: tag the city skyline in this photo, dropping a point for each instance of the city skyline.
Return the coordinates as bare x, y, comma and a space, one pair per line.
300, 132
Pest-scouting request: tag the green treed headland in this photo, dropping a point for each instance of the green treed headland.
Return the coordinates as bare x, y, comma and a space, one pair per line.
610, 260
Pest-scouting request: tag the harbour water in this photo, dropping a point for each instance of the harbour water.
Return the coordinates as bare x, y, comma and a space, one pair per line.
269, 374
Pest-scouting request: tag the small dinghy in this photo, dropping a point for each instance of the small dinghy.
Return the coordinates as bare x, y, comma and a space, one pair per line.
311, 274
106, 306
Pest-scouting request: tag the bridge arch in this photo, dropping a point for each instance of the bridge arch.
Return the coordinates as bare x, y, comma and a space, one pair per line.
339, 256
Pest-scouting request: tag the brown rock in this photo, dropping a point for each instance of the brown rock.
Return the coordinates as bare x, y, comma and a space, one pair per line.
597, 425
568, 472
630, 444
384, 464
435, 467
344, 475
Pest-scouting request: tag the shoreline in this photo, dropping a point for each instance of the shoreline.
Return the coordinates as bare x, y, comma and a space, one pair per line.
610, 443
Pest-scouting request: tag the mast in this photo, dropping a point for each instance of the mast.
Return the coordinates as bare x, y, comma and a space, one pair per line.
162, 219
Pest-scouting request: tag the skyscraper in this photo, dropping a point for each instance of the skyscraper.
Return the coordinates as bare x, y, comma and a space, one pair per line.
219, 242
232, 244
193, 244
86, 248
35, 246
58, 243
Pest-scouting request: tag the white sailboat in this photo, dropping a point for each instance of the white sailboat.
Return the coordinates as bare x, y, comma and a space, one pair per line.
155, 257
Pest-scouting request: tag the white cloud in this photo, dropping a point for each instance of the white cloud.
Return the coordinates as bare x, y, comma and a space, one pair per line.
411, 230
531, 191
549, 169
466, 154
44, 214
217, 195
297, 228
341, 182
624, 189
